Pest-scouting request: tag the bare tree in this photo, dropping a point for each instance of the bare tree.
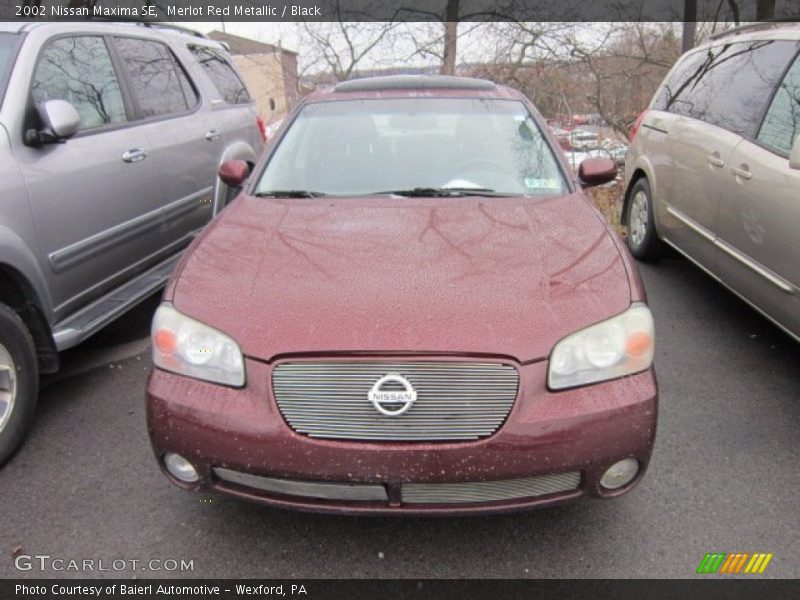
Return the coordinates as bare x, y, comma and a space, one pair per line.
450, 38
340, 47
436, 35
624, 69
445, 29
765, 9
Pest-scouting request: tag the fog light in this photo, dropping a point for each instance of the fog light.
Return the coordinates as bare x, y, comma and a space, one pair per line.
180, 468
620, 473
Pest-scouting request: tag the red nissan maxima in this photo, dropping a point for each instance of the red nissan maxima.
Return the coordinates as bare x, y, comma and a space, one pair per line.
410, 308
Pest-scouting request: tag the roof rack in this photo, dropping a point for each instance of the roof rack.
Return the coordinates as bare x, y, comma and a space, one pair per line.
150, 24
412, 82
768, 24
170, 26
123, 21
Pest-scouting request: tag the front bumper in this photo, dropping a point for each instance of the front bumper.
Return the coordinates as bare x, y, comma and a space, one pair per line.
581, 431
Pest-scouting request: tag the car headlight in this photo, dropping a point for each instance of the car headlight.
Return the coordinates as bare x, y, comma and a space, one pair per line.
188, 347
620, 346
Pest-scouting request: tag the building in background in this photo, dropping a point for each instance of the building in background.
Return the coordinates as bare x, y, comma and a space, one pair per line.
270, 73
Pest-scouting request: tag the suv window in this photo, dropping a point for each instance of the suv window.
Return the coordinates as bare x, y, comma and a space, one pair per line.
159, 85
728, 85
782, 122
7, 42
222, 75
79, 70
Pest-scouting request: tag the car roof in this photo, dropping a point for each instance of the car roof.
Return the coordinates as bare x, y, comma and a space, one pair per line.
769, 30
413, 86
9, 27
400, 82
163, 31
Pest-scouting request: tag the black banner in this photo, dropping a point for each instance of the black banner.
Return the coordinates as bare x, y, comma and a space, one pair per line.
209, 589
398, 10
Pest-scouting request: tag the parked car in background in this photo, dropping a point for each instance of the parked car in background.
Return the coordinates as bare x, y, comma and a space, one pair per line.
562, 137
615, 151
714, 167
582, 139
110, 140
430, 316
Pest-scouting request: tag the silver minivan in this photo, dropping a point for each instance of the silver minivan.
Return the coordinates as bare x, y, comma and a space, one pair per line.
714, 167
111, 135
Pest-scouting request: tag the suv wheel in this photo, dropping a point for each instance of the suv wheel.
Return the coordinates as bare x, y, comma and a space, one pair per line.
642, 238
19, 381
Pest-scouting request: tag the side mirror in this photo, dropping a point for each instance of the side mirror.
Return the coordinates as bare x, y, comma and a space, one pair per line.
60, 121
794, 157
234, 172
596, 171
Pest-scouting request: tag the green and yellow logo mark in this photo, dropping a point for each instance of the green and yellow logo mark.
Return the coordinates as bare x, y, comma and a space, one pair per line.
738, 562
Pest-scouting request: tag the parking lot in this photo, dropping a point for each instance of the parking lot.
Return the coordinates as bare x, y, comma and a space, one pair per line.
724, 475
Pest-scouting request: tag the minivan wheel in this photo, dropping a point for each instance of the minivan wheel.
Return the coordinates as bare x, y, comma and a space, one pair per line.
642, 238
19, 381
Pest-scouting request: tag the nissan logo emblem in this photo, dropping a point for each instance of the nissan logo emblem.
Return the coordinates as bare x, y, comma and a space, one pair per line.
392, 403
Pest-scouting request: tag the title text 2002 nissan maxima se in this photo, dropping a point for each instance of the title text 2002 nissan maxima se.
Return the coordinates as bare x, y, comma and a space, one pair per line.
410, 308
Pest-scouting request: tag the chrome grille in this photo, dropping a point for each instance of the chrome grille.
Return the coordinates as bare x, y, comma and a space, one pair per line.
488, 491
351, 492
455, 400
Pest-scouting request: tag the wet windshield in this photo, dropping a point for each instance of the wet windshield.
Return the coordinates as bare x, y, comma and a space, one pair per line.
413, 146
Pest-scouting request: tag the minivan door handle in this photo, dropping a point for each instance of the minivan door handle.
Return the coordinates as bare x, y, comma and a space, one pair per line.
212, 134
743, 171
715, 161
134, 155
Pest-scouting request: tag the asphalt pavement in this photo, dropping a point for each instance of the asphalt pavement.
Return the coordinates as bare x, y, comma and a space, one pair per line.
724, 476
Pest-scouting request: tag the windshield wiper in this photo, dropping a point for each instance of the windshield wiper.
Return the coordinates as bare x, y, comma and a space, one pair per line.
288, 194
445, 192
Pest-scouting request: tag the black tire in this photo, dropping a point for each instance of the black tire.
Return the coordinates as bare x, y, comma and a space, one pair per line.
19, 382
642, 238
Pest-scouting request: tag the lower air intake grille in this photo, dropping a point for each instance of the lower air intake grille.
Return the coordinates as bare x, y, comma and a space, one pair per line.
454, 401
488, 491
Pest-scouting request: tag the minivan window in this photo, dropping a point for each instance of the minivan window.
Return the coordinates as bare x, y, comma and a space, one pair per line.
155, 77
782, 123
221, 74
728, 85
362, 147
79, 70
7, 43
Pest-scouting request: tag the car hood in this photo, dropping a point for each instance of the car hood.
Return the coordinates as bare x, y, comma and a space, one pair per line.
465, 276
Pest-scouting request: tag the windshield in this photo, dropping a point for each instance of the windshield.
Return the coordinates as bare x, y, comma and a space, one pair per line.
361, 147
7, 44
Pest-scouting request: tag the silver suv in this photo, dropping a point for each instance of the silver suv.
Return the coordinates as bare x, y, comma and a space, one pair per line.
714, 167
110, 140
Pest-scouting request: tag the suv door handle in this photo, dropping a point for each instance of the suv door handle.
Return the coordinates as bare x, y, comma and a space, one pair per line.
743, 171
212, 134
134, 155
714, 160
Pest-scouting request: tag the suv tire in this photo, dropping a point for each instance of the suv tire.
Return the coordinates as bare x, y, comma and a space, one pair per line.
19, 381
642, 238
